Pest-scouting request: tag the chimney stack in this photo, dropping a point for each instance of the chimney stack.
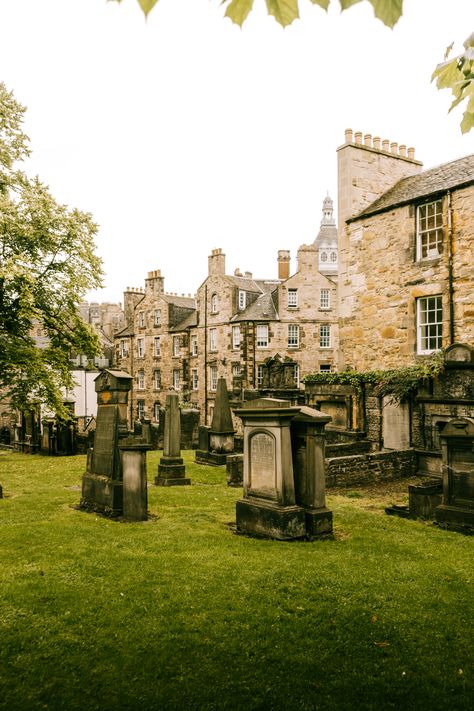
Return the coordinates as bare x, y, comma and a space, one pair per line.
216, 262
283, 263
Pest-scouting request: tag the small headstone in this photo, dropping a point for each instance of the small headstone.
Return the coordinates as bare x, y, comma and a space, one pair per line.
171, 468
135, 494
235, 469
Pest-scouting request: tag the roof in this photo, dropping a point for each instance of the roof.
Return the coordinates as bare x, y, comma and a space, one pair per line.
459, 173
263, 309
127, 331
185, 301
188, 322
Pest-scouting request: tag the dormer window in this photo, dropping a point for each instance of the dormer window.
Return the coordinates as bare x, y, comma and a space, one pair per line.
429, 230
242, 299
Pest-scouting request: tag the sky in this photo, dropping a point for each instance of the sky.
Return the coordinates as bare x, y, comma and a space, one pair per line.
184, 133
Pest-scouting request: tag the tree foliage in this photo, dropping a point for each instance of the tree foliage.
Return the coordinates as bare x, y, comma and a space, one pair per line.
458, 75
47, 264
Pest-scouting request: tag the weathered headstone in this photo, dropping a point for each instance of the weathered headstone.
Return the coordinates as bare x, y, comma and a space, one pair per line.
221, 431
171, 468
308, 441
135, 495
268, 507
102, 485
234, 468
457, 446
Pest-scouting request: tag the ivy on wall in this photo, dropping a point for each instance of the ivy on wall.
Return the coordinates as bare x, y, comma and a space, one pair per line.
398, 384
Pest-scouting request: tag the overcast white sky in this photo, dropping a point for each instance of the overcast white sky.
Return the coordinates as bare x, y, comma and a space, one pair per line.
184, 132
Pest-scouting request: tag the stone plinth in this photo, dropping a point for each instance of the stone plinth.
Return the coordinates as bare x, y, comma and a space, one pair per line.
171, 468
457, 445
171, 471
268, 507
220, 435
135, 495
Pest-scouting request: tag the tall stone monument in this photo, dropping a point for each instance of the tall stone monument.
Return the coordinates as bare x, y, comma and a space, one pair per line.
268, 507
221, 433
102, 485
171, 468
457, 447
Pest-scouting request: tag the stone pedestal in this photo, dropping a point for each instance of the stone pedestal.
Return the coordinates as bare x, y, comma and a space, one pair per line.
220, 435
268, 507
171, 468
135, 494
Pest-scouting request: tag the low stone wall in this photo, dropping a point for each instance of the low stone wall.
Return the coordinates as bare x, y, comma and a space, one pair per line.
346, 449
367, 468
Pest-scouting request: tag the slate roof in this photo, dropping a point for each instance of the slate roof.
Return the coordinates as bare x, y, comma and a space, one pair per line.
127, 331
188, 322
263, 309
457, 174
186, 301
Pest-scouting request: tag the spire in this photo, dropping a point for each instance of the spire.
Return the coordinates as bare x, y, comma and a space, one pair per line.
328, 212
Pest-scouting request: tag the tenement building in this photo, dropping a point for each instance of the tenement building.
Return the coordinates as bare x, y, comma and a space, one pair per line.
258, 334
406, 290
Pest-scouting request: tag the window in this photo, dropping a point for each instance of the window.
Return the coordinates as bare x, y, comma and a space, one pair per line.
235, 337
293, 336
176, 378
259, 376
213, 377
325, 336
194, 379
213, 339
157, 379
141, 319
157, 317
333, 257
176, 346
242, 299
323, 257
429, 230
194, 345
140, 347
324, 368
156, 411
123, 348
214, 304
140, 409
157, 346
141, 379
325, 299
262, 336
236, 370
296, 374
292, 298
429, 311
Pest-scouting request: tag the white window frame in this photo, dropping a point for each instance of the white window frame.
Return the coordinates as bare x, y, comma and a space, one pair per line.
157, 346
242, 299
213, 339
214, 304
141, 319
140, 347
296, 374
429, 239
123, 350
325, 298
177, 378
292, 298
176, 346
235, 337
324, 368
259, 376
261, 335
236, 370
333, 257
157, 317
428, 306
157, 378
325, 335
194, 344
293, 335
194, 379
156, 411
141, 379
140, 409
213, 377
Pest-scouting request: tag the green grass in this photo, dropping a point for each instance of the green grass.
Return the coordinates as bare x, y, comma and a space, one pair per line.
180, 613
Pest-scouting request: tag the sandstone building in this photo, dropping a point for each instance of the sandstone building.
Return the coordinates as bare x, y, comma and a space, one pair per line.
258, 334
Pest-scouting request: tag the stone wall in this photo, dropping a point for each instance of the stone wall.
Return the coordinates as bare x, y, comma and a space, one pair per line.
368, 468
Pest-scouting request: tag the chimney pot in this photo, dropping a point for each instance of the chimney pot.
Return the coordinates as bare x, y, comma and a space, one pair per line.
358, 137
402, 151
394, 148
368, 140
377, 143
411, 153
386, 145
348, 135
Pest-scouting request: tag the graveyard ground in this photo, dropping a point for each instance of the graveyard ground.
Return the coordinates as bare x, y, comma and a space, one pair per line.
181, 613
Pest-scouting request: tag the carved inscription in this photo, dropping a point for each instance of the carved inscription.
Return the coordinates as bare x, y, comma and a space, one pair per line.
262, 465
105, 440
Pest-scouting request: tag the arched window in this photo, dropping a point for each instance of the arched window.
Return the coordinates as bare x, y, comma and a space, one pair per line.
214, 304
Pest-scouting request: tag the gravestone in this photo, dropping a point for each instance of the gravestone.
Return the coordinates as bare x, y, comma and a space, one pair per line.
457, 447
268, 507
308, 443
234, 468
171, 468
135, 495
221, 432
102, 485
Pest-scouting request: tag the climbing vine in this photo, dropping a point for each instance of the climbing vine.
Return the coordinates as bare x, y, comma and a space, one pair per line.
398, 384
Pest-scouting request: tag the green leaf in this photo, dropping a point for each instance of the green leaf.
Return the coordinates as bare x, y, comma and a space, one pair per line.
284, 11
447, 74
147, 5
348, 3
389, 11
467, 122
238, 11
322, 3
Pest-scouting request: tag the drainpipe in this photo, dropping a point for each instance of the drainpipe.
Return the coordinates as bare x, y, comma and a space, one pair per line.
205, 354
450, 270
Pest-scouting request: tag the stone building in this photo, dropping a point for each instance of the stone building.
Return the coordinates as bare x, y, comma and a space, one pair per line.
406, 291
258, 334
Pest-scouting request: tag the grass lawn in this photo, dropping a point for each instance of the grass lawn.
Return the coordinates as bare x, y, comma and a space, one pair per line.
180, 613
